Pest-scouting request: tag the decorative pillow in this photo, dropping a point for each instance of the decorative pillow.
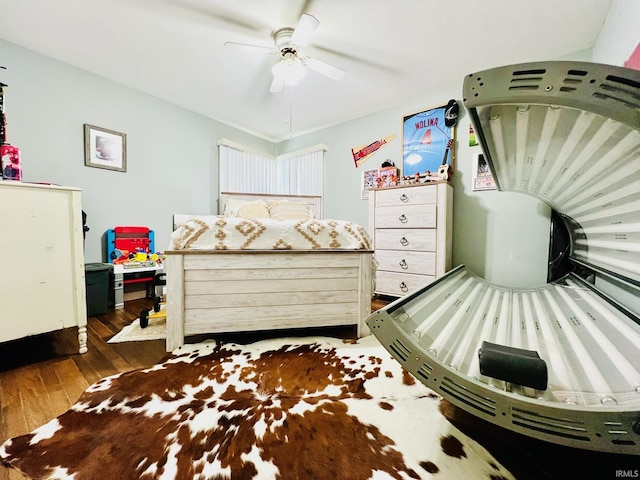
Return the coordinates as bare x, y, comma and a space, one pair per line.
285, 210
254, 210
233, 205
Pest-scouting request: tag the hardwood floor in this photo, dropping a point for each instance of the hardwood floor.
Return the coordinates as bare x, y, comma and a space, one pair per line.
42, 376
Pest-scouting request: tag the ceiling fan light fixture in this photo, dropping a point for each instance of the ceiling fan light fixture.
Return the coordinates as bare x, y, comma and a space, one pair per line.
293, 66
291, 69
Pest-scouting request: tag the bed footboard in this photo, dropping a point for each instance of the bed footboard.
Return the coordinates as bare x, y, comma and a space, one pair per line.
231, 291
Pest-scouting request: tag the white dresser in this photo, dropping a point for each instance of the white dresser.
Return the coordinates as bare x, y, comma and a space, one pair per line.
411, 230
42, 279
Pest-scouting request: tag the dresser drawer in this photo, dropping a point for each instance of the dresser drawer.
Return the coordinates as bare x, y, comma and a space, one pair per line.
406, 196
423, 240
407, 216
423, 263
399, 284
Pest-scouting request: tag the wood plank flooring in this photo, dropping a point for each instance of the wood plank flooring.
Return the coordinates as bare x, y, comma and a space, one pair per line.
42, 376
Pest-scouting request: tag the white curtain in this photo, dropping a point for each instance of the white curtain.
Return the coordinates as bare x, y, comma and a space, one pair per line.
245, 171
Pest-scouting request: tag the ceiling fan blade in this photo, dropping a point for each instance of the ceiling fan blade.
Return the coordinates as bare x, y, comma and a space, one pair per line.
249, 48
277, 84
324, 68
213, 15
353, 58
306, 26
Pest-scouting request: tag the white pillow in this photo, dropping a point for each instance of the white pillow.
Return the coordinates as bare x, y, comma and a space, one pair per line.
285, 210
254, 210
233, 205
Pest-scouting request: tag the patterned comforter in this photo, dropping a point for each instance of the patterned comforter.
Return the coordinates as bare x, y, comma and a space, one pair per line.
237, 233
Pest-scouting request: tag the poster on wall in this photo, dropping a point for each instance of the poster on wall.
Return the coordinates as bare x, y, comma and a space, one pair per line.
473, 140
482, 178
428, 143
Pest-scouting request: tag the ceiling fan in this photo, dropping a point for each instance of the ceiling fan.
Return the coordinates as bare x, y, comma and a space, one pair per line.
293, 65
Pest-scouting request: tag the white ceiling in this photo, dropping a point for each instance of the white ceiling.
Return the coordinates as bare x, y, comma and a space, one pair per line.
391, 51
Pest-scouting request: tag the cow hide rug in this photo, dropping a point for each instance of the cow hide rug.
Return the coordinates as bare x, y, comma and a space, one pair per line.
295, 408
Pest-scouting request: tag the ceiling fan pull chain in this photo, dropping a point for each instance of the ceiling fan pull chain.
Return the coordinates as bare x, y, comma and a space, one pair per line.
289, 106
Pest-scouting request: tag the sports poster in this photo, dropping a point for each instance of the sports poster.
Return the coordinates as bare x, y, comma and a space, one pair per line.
426, 144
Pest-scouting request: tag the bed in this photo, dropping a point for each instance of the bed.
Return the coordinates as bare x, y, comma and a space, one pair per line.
242, 270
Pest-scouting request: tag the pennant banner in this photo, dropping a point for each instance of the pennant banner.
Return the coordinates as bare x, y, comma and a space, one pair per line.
363, 152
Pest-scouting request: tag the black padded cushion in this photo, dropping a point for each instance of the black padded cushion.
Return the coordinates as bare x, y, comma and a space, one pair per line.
515, 365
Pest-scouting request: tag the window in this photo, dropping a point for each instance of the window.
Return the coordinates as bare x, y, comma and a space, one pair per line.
243, 171
246, 171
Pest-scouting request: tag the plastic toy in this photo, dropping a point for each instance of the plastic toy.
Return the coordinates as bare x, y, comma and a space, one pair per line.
158, 312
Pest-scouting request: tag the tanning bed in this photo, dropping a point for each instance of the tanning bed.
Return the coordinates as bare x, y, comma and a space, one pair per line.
559, 362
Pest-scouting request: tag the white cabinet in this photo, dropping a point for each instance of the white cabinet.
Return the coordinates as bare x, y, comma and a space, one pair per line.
42, 277
411, 229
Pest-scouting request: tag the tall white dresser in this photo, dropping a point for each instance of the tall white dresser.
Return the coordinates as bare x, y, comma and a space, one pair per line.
411, 227
42, 277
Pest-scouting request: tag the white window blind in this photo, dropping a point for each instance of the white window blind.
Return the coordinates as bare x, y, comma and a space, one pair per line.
301, 173
246, 171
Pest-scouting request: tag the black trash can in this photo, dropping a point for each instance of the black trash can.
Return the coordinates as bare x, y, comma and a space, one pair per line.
96, 277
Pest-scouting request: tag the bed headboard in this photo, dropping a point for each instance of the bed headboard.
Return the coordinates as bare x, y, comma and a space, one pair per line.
315, 202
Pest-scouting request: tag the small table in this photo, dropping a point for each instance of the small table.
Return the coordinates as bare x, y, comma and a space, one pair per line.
123, 275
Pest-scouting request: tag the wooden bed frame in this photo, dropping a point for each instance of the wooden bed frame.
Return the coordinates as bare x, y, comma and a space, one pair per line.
215, 291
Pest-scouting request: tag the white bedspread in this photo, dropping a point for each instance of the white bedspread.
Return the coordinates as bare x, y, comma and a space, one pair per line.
237, 233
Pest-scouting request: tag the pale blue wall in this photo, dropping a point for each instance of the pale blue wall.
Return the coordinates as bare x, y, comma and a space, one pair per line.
171, 154
501, 236
172, 157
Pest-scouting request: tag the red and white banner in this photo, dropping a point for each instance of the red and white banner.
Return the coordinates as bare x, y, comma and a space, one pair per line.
363, 152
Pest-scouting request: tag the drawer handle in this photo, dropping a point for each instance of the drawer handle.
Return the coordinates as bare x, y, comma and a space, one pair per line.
403, 287
403, 218
403, 264
404, 242
404, 198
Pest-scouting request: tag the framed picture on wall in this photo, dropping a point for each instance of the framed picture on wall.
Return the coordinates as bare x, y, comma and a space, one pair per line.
105, 148
482, 178
428, 143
